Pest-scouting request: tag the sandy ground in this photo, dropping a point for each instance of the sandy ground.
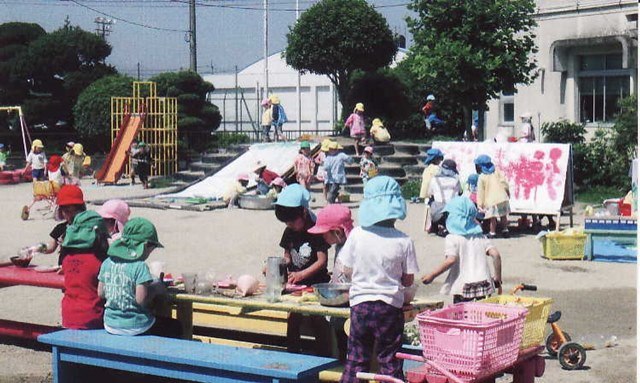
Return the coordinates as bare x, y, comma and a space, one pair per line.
595, 298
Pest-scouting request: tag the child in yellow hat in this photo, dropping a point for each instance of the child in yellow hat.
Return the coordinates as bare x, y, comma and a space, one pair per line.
37, 160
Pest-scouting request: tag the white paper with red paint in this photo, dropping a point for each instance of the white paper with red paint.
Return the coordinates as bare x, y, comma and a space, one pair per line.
536, 172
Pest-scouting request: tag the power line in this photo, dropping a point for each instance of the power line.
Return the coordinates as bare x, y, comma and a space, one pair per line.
128, 21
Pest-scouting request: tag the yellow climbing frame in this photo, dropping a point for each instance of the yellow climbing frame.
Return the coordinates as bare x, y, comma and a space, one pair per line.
160, 124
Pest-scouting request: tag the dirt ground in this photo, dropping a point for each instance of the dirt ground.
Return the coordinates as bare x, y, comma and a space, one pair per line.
595, 298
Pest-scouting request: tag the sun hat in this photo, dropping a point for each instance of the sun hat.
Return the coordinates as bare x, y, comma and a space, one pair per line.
115, 209
431, 97
359, 107
1, 146
382, 201
278, 182
449, 165
37, 144
141, 143
486, 166
462, 217
83, 231
259, 167
331, 217
324, 146
275, 100
293, 195
265, 102
334, 146
473, 179
78, 150
70, 144
432, 154
70, 195
54, 163
369, 149
242, 177
136, 233
376, 122
305, 145
526, 115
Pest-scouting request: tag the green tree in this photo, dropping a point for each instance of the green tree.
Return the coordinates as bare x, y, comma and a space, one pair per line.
338, 37
92, 112
14, 41
59, 66
468, 51
197, 117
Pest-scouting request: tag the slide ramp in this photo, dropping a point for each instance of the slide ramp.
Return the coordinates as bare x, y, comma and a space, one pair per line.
113, 166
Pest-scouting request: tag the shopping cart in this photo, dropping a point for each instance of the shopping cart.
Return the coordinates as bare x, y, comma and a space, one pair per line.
43, 191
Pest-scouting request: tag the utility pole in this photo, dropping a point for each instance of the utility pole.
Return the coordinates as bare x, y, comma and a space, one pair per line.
103, 26
266, 47
193, 64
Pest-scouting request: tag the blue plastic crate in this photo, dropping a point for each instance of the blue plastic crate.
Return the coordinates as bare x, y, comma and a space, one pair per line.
610, 224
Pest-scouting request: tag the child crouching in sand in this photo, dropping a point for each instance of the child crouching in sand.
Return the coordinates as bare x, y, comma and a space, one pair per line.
128, 287
466, 251
383, 262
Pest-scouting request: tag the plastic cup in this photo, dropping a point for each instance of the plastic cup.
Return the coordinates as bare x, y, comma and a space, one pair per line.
190, 281
157, 267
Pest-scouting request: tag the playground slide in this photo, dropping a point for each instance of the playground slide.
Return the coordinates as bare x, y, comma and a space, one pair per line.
113, 166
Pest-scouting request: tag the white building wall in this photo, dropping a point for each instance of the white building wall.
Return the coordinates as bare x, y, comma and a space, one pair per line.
554, 94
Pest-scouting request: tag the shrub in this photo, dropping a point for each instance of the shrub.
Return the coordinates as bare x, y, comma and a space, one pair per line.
564, 132
224, 140
410, 189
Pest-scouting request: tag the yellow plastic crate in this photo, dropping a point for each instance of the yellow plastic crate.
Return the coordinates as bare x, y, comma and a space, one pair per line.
561, 246
534, 322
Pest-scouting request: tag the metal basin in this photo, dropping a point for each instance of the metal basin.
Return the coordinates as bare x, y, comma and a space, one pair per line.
332, 294
254, 202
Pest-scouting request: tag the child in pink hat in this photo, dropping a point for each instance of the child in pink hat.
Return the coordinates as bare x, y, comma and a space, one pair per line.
115, 213
334, 222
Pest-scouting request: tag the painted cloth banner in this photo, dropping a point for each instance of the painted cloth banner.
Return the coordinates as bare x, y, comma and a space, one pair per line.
278, 156
536, 172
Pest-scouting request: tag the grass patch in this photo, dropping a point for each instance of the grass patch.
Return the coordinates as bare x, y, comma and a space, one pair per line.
161, 182
597, 194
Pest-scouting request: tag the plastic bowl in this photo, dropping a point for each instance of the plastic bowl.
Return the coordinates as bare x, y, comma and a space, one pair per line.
332, 294
20, 261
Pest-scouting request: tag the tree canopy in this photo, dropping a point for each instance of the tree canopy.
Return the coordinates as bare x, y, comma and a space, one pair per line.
471, 50
336, 38
196, 115
92, 112
14, 41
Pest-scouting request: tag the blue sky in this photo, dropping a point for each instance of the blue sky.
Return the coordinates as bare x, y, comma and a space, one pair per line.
153, 32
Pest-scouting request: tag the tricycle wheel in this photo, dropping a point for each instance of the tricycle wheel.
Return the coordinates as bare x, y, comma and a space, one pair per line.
571, 356
553, 343
25, 213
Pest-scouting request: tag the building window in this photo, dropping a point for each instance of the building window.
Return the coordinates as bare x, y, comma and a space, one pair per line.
507, 107
601, 83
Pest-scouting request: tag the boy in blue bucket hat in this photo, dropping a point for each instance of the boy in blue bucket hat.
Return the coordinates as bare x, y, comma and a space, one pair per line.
382, 263
466, 251
305, 255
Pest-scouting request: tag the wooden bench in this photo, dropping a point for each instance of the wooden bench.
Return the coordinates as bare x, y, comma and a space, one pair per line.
178, 359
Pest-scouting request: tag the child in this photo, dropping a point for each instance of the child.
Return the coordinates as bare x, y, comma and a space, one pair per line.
85, 245
278, 118
54, 170
143, 163
235, 190
427, 109
73, 160
276, 188
379, 133
128, 287
321, 173
433, 160
368, 166
442, 188
334, 223
305, 255
493, 195
334, 166
383, 262
472, 187
133, 151
466, 251
37, 160
355, 123
266, 120
265, 177
115, 213
304, 165
70, 202
3, 157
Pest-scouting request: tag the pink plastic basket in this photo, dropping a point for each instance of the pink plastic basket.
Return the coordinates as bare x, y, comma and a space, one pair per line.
472, 339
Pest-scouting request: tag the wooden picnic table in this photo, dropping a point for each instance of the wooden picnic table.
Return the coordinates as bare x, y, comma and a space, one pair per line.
184, 306
27, 276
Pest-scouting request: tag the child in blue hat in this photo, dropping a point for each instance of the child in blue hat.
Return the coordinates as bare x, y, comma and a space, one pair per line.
382, 262
493, 195
466, 256
305, 255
